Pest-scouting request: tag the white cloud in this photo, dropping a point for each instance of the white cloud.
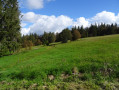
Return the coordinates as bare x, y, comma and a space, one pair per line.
117, 18
105, 17
81, 22
41, 23
30, 17
46, 23
25, 31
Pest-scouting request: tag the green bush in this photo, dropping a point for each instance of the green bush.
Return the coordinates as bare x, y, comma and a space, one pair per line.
3, 49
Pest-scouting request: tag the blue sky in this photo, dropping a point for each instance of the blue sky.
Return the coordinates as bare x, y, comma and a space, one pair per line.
55, 15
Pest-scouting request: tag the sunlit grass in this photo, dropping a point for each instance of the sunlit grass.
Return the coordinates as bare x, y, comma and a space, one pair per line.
94, 55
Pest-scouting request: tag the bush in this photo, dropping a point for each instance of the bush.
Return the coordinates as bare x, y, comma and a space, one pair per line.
8, 47
27, 44
3, 49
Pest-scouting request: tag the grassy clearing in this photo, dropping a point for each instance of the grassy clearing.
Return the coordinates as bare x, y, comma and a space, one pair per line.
91, 63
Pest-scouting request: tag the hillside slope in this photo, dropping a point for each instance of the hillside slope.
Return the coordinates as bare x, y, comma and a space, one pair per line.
94, 60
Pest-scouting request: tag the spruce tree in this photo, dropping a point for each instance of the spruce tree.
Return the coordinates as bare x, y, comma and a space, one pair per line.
10, 25
45, 38
65, 35
51, 37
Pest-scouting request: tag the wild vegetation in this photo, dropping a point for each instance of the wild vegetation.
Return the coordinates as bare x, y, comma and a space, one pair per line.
88, 63
57, 61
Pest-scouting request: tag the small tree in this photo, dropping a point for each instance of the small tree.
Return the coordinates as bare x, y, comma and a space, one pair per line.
76, 34
27, 44
38, 42
30, 44
65, 35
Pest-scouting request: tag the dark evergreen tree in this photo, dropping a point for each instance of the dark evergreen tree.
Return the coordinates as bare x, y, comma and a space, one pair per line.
45, 38
10, 25
48, 38
82, 32
57, 37
117, 29
92, 31
65, 35
51, 37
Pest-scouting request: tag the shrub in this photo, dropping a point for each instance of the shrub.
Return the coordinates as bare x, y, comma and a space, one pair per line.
3, 49
8, 47
27, 44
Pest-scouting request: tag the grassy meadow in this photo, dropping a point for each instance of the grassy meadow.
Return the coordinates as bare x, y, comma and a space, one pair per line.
88, 64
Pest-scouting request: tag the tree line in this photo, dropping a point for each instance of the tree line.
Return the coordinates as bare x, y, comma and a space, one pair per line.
70, 34
49, 37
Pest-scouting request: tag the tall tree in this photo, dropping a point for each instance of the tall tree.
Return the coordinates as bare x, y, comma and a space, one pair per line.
11, 20
10, 24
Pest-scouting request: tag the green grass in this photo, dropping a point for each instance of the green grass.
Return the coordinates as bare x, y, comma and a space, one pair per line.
96, 59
